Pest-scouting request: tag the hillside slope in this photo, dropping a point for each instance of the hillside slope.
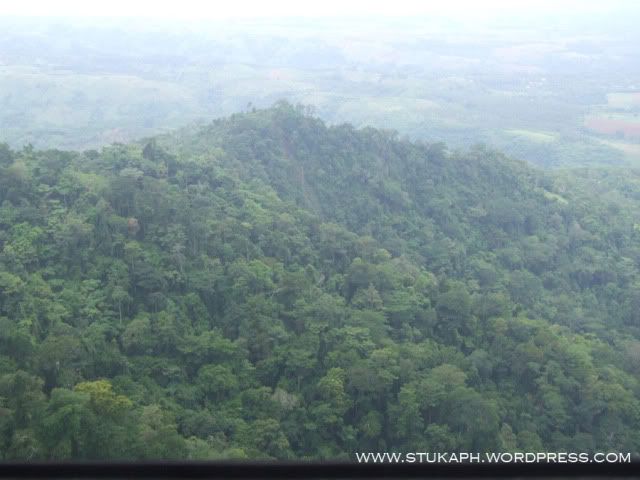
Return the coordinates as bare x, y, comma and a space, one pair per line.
269, 287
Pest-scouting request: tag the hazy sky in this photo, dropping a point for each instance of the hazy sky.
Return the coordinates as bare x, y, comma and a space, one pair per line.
199, 9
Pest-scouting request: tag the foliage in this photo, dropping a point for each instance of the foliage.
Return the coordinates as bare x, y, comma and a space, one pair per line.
270, 287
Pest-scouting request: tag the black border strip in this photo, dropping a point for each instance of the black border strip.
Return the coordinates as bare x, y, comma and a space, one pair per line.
256, 470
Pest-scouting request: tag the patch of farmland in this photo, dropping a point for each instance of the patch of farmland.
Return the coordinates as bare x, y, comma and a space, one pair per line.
623, 100
619, 126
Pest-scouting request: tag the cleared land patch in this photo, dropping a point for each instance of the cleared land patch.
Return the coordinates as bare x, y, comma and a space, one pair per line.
535, 136
623, 100
621, 126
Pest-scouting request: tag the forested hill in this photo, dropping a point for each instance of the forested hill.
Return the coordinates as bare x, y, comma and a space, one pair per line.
269, 287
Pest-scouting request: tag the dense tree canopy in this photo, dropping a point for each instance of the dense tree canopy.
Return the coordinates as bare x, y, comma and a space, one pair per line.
270, 287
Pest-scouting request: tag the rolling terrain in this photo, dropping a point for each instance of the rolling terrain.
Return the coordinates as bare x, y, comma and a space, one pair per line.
555, 95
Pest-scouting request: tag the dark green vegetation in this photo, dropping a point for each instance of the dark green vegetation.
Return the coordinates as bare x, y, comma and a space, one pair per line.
526, 87
270, 287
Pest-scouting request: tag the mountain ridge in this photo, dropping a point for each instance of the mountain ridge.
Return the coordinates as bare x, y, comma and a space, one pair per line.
270, 287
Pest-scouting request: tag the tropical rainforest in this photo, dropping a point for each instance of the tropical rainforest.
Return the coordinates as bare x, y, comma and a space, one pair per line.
267, 286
